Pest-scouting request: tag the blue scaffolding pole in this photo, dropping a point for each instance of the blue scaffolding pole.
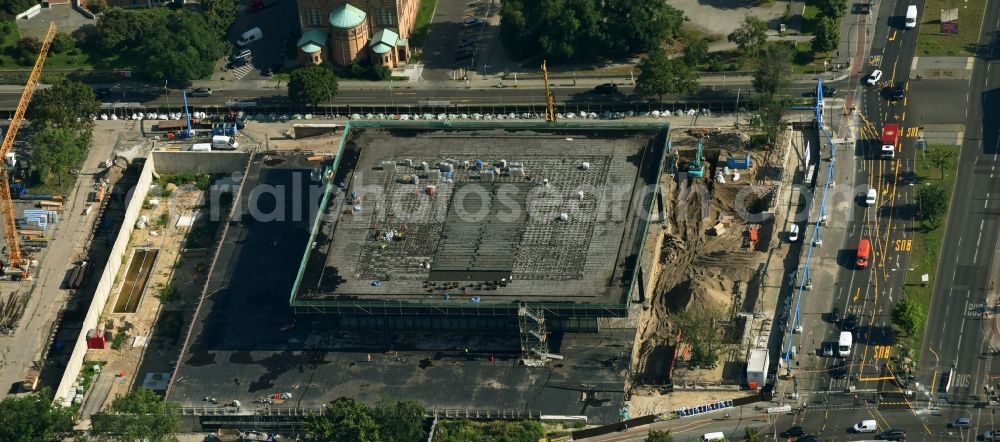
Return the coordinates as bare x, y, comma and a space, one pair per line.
816, 232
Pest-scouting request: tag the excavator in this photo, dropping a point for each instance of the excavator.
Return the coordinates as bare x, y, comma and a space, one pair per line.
695, 168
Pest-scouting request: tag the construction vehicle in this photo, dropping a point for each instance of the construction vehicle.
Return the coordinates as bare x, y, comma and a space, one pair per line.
189, 132
14, 258
890, 139
550, 100
695, 168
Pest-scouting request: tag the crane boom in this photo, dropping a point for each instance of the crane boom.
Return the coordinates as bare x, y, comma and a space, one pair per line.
550, 100
6, 204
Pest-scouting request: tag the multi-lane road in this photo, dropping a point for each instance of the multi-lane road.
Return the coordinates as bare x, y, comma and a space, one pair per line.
960, 339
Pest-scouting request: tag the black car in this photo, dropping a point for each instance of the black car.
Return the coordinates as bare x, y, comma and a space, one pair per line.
835, 316
828, 91
606, 88
795, 431
893, 434
897, 92
850, 323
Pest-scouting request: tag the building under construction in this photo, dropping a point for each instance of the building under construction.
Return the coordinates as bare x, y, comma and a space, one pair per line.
484, 270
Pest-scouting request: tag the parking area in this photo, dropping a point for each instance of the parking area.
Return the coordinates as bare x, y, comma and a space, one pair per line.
277, 21
462, 38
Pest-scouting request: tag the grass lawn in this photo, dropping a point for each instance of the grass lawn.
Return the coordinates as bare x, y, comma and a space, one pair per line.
930, 40
421, 24
926, 246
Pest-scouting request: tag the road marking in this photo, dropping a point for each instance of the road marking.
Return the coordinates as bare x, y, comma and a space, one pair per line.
875, 59
904, 115
857, 294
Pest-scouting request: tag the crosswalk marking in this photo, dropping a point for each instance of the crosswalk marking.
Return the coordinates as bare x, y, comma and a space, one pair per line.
242, 71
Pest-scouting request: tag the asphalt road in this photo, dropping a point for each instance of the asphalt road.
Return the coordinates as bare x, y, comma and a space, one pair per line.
956, 340
401, 94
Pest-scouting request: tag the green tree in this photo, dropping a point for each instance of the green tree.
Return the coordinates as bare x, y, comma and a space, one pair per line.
67, 104
751, 434
220, 14
659, 436
699, 328
833, 9
827, 35
465, 430
186, 48
400, 421
55, 151
633, 26
943, 157
32, 418
344, 419
773, 69
63, 42
659, 76
696, 52
380, 72
751, 36
907, 314
558, 29
139, 415
932, 202
117, 29
97, 6
312, 85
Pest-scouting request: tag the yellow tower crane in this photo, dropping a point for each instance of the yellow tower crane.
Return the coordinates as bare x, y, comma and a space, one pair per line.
14, 258
550, 100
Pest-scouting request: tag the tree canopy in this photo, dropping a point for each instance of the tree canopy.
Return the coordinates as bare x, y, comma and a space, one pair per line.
833, 9
585, 29
827, 35
908, 315
139, 415
659, 76
932, 202
33, 418
494, 431
220, 14
56, 150
943, 157
696, 52
67, 104
174, 45
773, 69
751, 36
312, 85
347, 419
659, 436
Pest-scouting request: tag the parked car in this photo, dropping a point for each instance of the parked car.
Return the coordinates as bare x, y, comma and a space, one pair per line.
893, 434
201, 92
835, 315
474, 22
874, 77
992, 435
241, 54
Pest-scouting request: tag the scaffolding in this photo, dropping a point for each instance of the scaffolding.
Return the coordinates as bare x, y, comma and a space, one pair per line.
531, 324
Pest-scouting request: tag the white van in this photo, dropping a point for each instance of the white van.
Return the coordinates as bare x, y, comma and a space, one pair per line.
250, 37
201, 147
717, 435
866, 426
224, 142
911, 17
844, 345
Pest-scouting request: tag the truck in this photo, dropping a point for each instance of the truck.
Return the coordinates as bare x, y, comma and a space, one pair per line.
224, 142
890, 139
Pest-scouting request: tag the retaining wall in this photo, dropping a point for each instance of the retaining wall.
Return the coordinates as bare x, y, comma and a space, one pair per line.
199, 162
64, 393
30, 12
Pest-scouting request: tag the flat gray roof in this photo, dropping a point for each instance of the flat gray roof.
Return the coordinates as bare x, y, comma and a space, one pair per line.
504, 221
